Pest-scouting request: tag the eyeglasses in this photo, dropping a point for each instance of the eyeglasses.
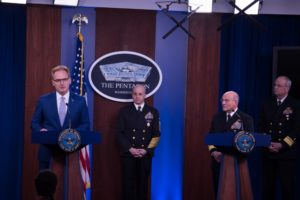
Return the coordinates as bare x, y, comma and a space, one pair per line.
63, 80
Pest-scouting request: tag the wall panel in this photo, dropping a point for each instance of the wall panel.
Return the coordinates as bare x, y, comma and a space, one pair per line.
201, 103
42, 53
116, 30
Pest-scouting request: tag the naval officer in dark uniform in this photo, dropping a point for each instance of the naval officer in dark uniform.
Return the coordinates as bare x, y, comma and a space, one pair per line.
231, 119
138, 133
280, 118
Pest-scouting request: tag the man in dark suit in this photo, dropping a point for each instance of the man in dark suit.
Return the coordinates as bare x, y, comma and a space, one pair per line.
138, 133
231, 119
51, 112
280, 118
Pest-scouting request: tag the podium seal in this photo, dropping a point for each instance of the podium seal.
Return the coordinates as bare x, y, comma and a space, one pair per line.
244, 142
69, 140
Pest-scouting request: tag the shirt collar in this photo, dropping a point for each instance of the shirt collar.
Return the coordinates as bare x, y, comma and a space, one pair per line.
232, 112
67, 95
281, 100
141, 105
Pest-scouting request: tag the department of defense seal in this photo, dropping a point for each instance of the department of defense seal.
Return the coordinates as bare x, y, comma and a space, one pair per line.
69, 140
244, 142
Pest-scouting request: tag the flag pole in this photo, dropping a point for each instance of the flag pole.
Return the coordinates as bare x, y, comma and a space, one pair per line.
79, 82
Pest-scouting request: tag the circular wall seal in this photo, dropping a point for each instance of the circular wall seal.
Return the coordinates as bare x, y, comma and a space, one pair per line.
115, 74
69, 140
244, 142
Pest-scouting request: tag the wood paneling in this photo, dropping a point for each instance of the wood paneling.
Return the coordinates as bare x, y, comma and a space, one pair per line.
116, 30
42, 53
201, 103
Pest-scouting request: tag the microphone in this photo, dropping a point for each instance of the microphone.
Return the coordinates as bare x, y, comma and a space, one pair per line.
69, 114
240, 118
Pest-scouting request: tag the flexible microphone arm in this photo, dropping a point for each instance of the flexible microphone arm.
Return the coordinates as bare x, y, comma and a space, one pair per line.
69, 114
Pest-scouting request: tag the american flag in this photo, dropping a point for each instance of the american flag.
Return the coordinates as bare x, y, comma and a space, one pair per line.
79, 87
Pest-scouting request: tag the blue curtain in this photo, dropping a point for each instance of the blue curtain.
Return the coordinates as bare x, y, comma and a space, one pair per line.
12, 86
246, 66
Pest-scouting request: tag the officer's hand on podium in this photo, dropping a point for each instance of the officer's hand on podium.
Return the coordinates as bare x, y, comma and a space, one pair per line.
217, 155
275, 147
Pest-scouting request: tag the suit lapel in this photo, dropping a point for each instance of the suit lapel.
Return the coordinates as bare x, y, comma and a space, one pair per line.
53, 105
232, 120
70, 108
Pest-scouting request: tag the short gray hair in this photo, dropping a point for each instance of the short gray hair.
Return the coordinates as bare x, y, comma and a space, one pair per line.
287, 79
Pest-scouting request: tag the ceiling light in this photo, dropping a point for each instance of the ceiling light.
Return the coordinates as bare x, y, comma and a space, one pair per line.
253, 10
66, 2
204, 6
14, 1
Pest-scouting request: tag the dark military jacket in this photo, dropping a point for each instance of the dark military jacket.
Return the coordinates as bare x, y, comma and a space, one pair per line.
138, 129
239, 121
283, 124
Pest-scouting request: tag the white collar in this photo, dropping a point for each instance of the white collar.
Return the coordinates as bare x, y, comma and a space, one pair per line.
66, 96
137, 106
232, 112
281, 100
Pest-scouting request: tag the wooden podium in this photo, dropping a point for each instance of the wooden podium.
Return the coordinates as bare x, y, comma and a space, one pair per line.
234, 179
66, 164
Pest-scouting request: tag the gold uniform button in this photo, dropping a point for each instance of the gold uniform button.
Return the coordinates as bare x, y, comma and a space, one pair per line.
142, 145
133, 130
143, 138
279, 131
133, 137
270, 123
144, 131
279, 139
270, 131
280, 124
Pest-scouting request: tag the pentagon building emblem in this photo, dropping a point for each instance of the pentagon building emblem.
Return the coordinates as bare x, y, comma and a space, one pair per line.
115, 74
125, 72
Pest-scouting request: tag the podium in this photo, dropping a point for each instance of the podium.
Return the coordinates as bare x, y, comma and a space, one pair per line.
65, 161
234, 179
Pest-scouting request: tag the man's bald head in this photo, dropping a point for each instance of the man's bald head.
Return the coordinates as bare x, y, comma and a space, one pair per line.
230, 101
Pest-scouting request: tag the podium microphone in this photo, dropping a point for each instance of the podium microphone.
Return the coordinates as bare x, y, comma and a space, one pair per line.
69, 140
69, 114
